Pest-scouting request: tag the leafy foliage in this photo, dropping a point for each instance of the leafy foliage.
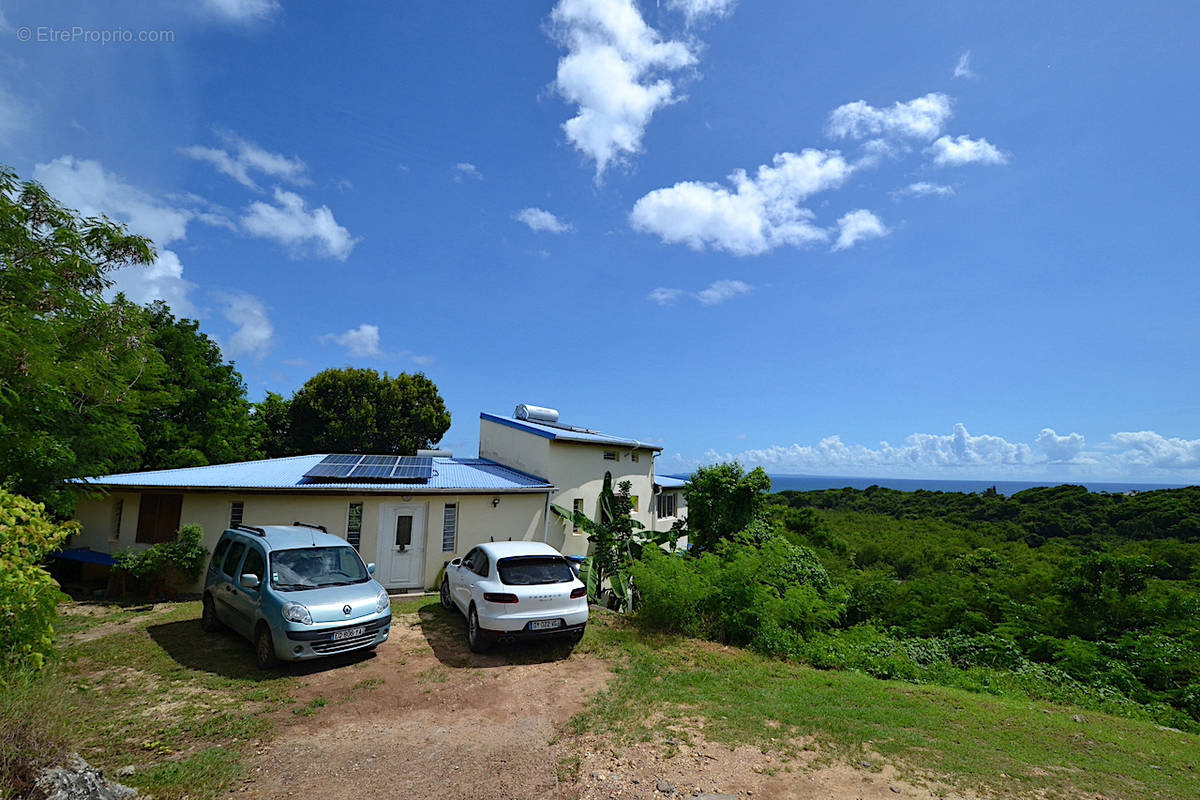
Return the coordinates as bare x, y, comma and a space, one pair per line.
160, 564
28, 595
723, 500
360, 411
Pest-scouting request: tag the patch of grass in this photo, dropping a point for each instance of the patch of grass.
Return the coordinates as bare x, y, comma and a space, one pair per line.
34, 726
1000, 745
367, 684
205, 774
311, 707
567, 768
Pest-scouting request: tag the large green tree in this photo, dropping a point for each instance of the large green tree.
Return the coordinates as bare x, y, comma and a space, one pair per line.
723, 500
360, 411
198, 413
71, 363
271, 417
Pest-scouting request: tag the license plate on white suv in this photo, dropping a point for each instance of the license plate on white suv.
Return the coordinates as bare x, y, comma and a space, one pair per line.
545, 624
349, 633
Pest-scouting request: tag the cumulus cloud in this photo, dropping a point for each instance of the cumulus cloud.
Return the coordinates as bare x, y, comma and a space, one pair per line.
464, 170
241, 10
954, 151
720, 291
244, 157
697, 10
1060, 449
858, 226
1147, 448
254, 333
756, 215
962, 69
920, 118
361, 342
541, 220
291, 223
91, 190
664, 296
924, 189
615, 72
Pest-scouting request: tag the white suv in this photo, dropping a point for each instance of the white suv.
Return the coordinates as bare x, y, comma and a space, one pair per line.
515, 590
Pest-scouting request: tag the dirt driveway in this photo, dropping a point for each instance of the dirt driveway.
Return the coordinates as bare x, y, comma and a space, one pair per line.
425, 718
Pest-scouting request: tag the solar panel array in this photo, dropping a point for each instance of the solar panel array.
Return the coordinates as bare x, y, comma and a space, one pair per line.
373, 468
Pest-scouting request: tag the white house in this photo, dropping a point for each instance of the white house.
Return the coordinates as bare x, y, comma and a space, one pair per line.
407, 514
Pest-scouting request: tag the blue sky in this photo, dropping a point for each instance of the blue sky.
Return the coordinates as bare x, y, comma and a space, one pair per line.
941, 241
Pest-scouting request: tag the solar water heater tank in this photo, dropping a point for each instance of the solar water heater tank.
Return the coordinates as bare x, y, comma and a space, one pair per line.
536, 413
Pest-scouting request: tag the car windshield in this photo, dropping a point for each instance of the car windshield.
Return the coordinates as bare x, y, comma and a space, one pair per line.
314, 567
532, 570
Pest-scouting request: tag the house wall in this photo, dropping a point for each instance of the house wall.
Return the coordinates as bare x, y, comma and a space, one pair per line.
516, 515
514, 448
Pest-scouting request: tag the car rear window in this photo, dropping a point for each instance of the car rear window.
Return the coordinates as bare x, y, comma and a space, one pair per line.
533, 570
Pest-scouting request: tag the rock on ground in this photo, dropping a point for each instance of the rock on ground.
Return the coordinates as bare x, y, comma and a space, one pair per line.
78, 780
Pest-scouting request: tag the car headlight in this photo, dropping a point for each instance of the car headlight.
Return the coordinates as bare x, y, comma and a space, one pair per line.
294, 612
382, 602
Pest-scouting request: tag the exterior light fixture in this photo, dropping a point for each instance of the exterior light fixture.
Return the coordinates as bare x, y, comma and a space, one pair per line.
495, 502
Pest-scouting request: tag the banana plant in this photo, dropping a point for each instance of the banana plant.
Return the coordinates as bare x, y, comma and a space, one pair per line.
613, 544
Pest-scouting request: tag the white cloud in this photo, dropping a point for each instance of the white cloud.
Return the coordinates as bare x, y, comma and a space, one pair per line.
254, 333
241, 10
720, 291
958, 150
1149, 449
696, 10
924, 189
245, 156
465, 169
361, 342
541, 220
1061, 449
664, 296
758, 215
291, 223
920, 118
963, 68
91, 190
857, 226
614, 72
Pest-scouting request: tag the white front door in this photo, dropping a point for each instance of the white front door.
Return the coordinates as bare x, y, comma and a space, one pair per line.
401, 563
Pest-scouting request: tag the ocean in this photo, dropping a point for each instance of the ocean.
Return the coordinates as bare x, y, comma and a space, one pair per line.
808, 483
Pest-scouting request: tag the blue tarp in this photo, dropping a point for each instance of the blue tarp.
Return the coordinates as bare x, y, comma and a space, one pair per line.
85, 555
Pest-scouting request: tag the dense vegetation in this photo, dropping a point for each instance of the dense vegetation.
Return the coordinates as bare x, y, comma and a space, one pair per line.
1060, 594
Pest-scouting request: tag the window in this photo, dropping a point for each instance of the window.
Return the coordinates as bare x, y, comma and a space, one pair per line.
235, 513
449, 527
666, 504
610, 455
480, 565
255, 565
118, 511
403, 530
354, 525
232, 558
158, 517
219, 553
634, 502
577, 507
633, 456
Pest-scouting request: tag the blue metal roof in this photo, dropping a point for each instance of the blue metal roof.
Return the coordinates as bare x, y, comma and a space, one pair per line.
567, 433
667, 482
449, 475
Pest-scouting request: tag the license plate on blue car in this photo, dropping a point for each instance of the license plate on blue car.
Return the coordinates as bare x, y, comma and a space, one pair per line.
349, 633
545, 624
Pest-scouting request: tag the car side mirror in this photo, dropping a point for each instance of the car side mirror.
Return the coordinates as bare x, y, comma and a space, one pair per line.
249, 581
455, 562
371, 568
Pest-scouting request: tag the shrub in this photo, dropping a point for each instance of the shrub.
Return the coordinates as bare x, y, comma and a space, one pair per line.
162, 565
34, 723
28, 595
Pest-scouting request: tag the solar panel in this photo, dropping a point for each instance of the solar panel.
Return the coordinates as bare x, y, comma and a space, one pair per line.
344, 466
413, 468
334, 466
375, 467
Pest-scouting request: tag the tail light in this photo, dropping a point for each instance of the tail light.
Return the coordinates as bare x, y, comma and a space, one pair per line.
578, 593
499, 597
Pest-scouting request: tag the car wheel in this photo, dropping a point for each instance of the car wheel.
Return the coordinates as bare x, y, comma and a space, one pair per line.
264, 649
476, 638
447, 602
208, 616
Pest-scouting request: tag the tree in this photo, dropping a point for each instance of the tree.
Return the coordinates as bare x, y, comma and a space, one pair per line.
358, 411
71, 363
615, 543
198, 413
274, 427
724, 500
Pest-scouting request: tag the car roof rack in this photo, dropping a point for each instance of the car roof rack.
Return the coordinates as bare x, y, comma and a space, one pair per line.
320, 528
251, 528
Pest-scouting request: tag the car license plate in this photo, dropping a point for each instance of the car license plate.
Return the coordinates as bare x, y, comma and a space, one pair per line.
545, 624
349, 633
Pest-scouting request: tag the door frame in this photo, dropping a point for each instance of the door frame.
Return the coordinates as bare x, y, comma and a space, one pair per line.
383, 546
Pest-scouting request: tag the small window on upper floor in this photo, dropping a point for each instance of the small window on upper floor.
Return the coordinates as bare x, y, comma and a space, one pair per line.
610, 455
577, 507
236, 509
633, 456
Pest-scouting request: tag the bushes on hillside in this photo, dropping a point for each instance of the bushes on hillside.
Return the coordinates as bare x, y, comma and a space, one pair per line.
28, 595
